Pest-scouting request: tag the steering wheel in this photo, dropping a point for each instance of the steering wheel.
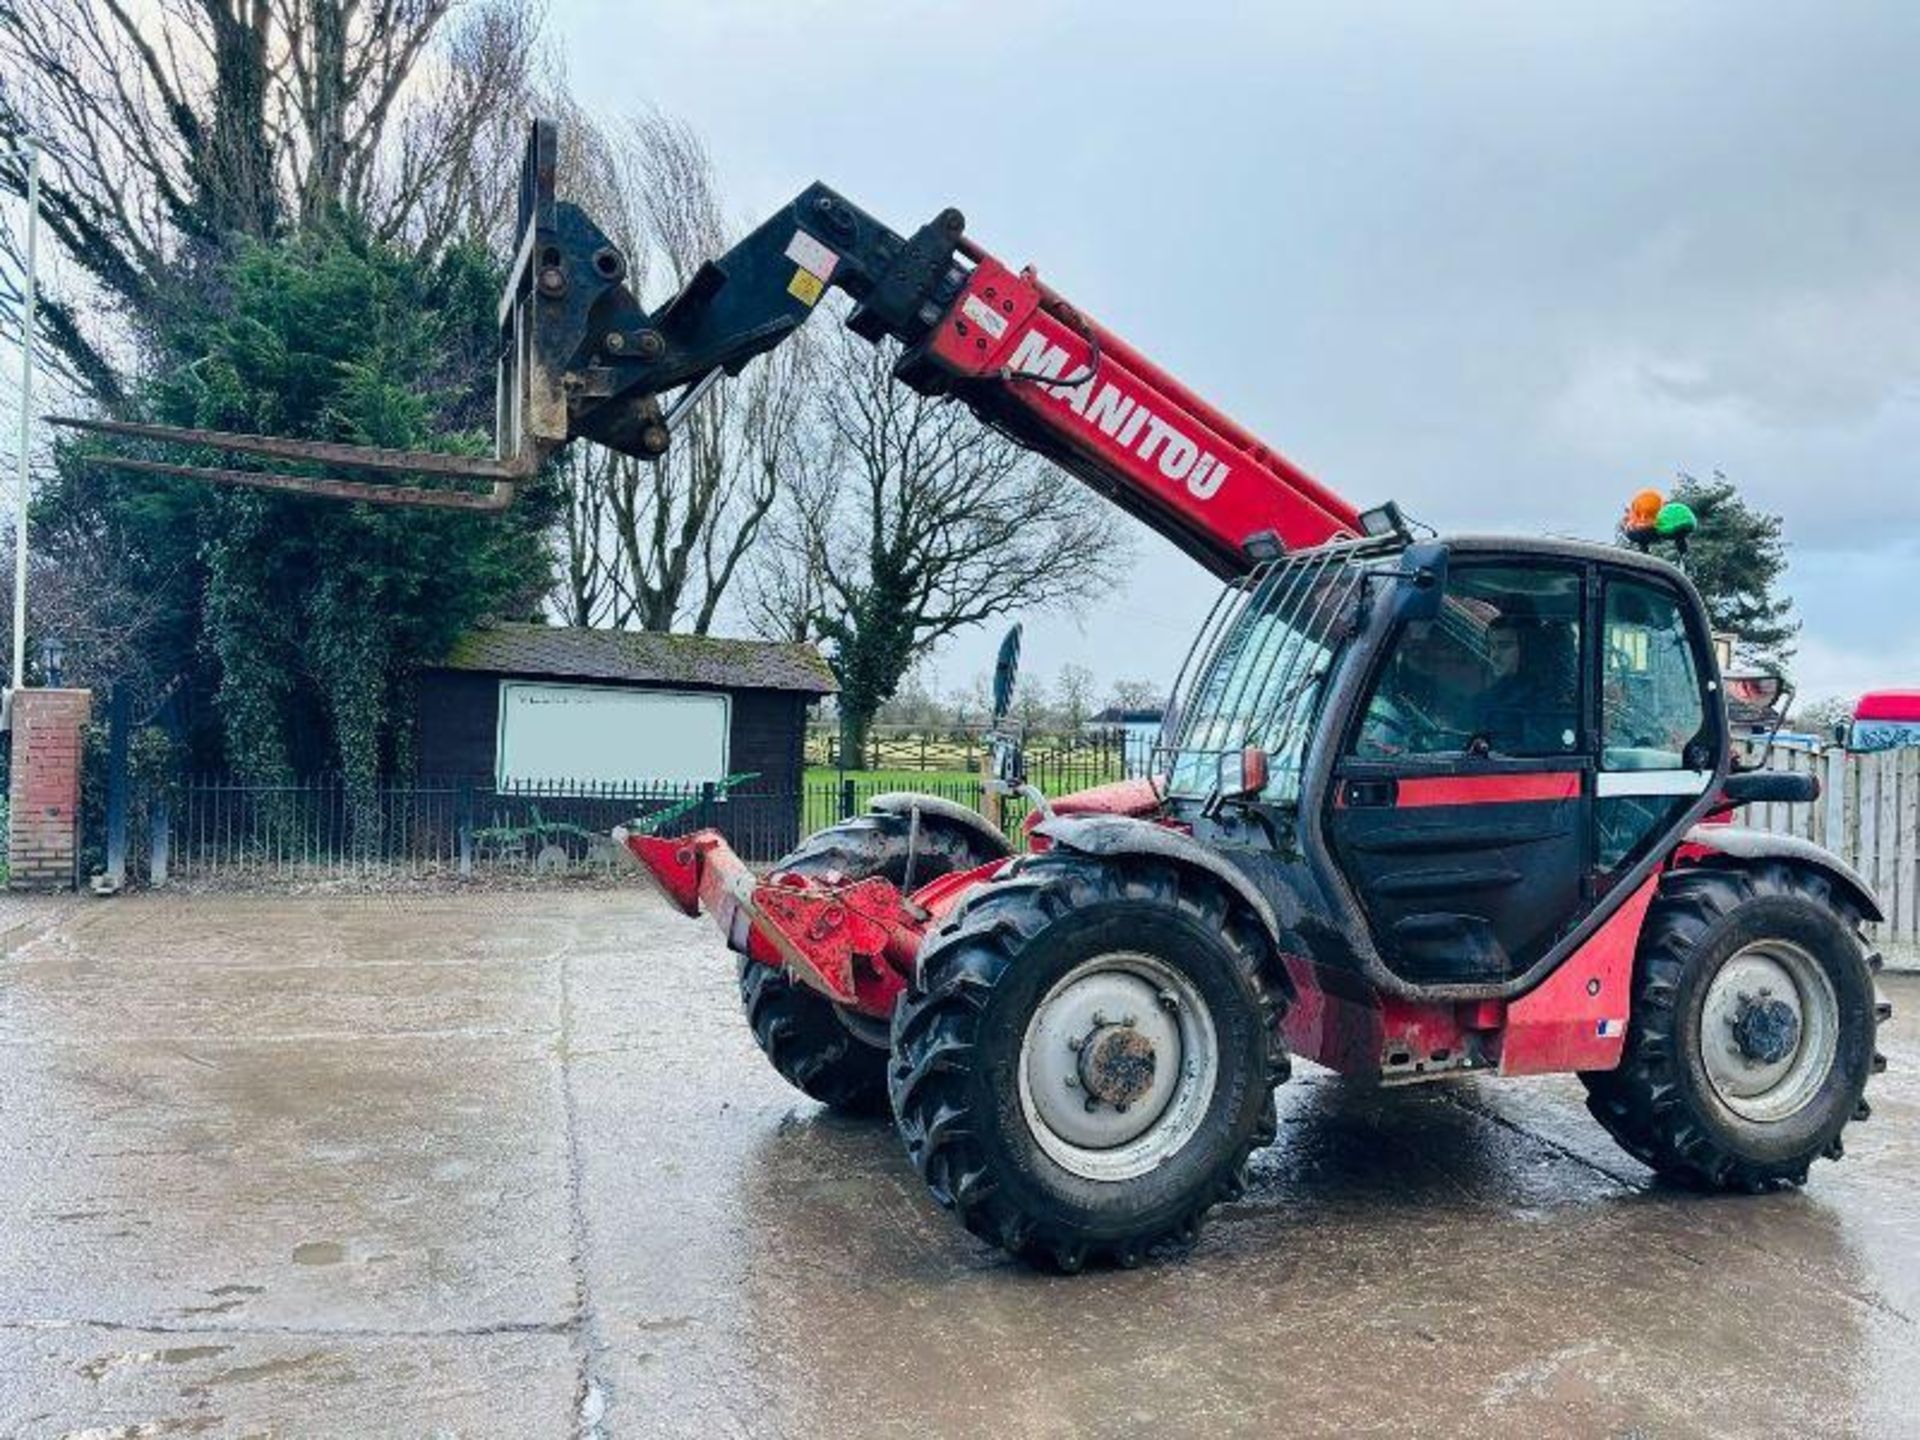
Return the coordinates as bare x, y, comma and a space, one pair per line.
1387, 729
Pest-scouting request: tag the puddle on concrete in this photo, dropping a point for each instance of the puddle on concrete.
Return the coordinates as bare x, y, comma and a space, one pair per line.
95, 1368
273, 1369
219, 1307
319, 1252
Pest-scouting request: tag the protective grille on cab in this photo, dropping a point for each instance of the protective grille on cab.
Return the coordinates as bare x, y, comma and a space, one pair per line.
1254, 675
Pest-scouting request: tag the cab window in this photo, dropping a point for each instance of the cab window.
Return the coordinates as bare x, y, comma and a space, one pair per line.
1496, 673
1656, 754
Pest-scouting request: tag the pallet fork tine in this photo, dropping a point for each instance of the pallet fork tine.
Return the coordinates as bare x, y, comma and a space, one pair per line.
504, 475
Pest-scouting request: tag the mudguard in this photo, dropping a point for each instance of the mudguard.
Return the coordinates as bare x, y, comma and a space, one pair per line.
1741, 842
1103, 835
905, 802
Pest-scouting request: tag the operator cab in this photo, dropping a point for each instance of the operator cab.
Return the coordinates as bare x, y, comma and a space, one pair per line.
1466, 752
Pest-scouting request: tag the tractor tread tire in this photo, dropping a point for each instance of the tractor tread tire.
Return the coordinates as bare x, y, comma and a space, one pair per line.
1649, 1104
937, 1029
798, 1028
876, 844
804, 1040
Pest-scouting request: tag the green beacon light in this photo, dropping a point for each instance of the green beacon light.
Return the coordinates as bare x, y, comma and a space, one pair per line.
1675, 521
1651, 516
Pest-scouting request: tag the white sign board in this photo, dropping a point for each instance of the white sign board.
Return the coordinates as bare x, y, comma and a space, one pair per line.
603, 735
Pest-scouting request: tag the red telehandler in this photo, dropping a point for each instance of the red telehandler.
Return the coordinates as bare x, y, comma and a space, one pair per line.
1421, 807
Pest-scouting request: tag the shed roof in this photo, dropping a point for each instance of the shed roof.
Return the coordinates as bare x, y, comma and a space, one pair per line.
641, 657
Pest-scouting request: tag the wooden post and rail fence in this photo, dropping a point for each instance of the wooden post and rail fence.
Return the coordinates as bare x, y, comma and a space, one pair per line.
1868, 814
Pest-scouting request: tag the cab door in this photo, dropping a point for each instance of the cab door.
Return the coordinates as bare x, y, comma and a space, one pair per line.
1660, 732
1461, 809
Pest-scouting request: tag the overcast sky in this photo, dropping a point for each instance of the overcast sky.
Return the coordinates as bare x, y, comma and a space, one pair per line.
1506, 263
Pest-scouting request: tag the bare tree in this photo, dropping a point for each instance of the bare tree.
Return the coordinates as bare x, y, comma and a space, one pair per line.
1032, 704
1823, 716
456, 135
588, 593
970, 705
923, 523
1137, 694
175, 124
1075, 689
785, 591
106, 626
657, 545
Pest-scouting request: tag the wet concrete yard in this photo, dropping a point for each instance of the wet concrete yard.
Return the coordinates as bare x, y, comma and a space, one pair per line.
510, 1165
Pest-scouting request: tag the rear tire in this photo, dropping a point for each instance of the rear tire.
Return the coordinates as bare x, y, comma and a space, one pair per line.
1000, 987
800, 1032
1752, 1031
836, 1056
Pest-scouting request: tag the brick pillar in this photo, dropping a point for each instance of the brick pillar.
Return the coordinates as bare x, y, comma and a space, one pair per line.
45, 793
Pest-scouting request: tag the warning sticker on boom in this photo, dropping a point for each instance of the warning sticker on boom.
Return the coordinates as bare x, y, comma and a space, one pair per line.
810, 255
806, 286
984, 315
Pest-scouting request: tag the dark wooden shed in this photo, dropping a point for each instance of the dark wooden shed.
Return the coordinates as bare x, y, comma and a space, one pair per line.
558, 708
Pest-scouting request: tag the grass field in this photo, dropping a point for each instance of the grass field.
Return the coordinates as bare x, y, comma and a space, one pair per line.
888, 779
825, 800
910, 752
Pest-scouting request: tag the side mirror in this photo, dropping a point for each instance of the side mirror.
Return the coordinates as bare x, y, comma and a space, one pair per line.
1238, 777
1006, 673
1423, 576
1767, 693
1760, 691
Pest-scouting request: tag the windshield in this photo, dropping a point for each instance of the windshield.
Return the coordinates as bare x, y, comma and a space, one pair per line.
1255, 674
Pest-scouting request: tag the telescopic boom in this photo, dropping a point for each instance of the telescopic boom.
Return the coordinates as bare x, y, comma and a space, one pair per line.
580, 357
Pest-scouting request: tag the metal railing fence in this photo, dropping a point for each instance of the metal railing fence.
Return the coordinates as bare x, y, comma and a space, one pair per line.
221, 831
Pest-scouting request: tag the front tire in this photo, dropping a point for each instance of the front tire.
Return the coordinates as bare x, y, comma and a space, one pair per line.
1752, 1030
1089, 1058
831, 1054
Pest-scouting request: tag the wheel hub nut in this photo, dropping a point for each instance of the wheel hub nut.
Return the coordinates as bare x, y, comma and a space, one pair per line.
1765, 1028
1117, 1065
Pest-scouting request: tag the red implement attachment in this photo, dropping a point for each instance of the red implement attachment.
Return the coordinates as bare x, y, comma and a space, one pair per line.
854, 942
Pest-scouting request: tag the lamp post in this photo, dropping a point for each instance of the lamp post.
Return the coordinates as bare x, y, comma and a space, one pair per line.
29, 149
53, 653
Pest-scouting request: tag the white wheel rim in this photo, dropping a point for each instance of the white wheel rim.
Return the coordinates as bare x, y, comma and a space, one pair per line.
1117, 1066
1769, 1031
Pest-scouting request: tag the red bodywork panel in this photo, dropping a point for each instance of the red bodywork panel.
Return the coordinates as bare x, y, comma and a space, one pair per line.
1338, 1020
1488, 789
1188, 470
1575, 1019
